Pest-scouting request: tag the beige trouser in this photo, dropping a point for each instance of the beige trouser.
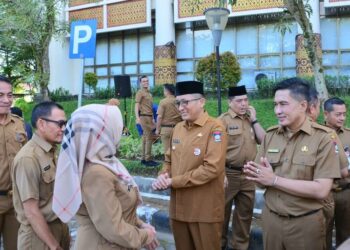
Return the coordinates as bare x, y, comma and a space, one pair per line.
165, 133
9, 229
196, 235
147, 140
242, 192
302, 233
342, 215
27, 238
328, 211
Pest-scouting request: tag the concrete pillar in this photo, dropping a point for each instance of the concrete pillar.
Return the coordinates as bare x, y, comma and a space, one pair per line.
303, 65
165, 50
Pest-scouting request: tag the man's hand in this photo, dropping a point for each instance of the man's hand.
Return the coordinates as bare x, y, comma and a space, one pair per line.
138, 120
252, 113
261, 173
162, 182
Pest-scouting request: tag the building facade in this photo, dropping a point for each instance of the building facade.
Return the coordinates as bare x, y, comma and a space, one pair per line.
164, 39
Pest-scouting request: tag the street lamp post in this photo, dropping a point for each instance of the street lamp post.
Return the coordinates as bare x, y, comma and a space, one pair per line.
216, 20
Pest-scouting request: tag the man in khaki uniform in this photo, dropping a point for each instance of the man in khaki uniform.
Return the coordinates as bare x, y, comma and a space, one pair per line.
328, 208
33, 175
144, 116
194, 170
168, 116
335, 117
297, 163
244, 133
12, 138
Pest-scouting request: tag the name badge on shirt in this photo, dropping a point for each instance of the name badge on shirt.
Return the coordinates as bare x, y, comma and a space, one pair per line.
47, 168
273, 150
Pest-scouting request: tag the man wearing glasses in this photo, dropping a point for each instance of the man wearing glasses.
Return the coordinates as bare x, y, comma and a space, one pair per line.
12, 138
33, 177
194, 169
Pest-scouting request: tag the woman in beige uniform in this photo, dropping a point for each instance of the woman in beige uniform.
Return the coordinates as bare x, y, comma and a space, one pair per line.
93, 184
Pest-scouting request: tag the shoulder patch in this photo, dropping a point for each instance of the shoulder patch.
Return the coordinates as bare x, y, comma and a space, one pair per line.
321, 127
272, 128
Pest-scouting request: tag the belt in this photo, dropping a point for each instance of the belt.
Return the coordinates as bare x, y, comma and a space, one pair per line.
339, 189
233, 167
289, 216
168, 126
145, 115
5, 192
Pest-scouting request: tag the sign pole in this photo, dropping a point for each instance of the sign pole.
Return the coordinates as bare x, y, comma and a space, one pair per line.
81, 83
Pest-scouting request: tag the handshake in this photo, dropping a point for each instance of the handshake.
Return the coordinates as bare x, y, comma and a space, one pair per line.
162, 182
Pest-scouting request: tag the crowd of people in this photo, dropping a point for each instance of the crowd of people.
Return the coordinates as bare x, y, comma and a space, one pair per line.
210, 163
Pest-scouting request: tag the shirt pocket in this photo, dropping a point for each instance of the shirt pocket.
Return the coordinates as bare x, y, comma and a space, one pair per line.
274, 159
234, 137
303, 167
48, 171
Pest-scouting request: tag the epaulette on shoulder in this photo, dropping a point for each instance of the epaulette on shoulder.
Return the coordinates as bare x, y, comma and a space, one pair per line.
16, 116
223, 115
272, 128
347, 129
322, 127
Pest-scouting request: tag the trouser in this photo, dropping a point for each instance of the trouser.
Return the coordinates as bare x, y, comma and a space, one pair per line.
147, 140
27, 238
302, 233
328, 211
196, 235
165, 134
242, 192
342, 215
9, 229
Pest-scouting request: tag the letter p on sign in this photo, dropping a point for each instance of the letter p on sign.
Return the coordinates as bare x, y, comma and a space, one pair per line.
83, 39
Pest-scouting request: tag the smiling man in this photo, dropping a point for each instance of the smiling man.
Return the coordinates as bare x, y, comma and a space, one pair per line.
297, 163
335, 117
194, 170
33, 175
12, 138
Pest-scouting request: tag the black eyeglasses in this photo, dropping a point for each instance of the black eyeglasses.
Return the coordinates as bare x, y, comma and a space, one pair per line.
185, 102
59, 123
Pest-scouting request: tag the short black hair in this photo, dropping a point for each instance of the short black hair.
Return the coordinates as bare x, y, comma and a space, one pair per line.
328, 105
299, 88
170, 88
313, 95
17, 111
43, 109
5, 79
141, 77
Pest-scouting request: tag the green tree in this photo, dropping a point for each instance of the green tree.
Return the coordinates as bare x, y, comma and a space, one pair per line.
91, 80
229, 68
27, 27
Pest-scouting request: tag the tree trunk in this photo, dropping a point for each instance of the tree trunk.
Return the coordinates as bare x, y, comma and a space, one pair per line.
298, 11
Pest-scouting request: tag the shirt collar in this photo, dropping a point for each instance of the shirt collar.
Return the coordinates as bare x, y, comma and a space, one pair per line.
305, 127
234, 115
47, 147
200, 121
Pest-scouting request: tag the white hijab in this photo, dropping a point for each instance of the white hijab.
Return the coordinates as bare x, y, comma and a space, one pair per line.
92, 135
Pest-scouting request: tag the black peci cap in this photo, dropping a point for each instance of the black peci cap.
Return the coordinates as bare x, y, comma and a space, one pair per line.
189, 87
236, 91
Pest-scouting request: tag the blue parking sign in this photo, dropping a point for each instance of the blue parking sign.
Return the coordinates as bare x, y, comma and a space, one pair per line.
83, 39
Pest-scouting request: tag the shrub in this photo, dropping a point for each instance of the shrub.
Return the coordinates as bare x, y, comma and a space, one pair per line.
91, 80
157, 90
104, 93
60, 94
229, 68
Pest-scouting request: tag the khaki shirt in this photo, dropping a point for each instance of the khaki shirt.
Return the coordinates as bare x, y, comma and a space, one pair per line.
242, 143
108, 212
308, 155
145, 100
344, 136
33, 173
196, 164
13, 137
168, 111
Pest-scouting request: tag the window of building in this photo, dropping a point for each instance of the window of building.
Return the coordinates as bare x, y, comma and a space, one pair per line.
258, 47
127, 52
